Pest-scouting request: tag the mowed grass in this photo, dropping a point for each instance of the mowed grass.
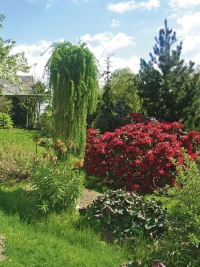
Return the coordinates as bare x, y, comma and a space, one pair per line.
58, 241
54, 240
19, 137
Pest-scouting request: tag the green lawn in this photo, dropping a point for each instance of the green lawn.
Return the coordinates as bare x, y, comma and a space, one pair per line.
34, 239
54, 240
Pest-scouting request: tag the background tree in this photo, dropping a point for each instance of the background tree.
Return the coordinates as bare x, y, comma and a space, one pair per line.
193, 111
42, 95
31, 103
106, 119
124, 90
5, 110
10, 64
166, 84
5, 104
73, 78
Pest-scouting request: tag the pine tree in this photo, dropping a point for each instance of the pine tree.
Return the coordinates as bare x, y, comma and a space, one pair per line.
166, 84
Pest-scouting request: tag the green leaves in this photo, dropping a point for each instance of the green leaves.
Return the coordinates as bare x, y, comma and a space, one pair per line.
56, 187
10, 64
73, 78
5, 121
125, 214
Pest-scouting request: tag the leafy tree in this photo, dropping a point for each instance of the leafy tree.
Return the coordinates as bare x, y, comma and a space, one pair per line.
5, 110
10, 64
32, 104
42, 95
5, 104
193, 120
92, 117
166, 84
124, 89
28, 104
122, 111
73, 79
119, 98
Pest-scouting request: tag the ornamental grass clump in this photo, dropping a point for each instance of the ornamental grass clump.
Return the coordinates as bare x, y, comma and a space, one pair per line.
126, 215
139, 156
57, 183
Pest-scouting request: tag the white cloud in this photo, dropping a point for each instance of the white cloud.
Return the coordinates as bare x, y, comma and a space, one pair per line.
122, 7
118, 63
133, 63
105, 43
149, 5
33, 55
183, 3
109, 42
115, 23
100, 45
190, 24
189, 34
49, 4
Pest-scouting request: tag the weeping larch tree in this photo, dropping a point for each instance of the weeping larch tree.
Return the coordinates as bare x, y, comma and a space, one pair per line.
73, 78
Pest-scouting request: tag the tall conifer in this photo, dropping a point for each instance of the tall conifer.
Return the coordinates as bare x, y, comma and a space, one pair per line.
166, 84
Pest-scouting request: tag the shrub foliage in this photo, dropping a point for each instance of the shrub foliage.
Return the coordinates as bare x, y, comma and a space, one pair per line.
5, 121
57, 183
125, 214
139, 156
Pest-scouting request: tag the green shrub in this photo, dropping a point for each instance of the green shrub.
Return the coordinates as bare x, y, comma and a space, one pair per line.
56, 187
5, 121
46, 123
187, 196
15, 162
187, 190
125, 214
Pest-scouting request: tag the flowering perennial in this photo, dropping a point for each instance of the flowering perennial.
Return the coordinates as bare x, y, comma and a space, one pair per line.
138, 156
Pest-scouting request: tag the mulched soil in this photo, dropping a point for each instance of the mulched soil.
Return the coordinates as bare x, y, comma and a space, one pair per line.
87, 197
2, 246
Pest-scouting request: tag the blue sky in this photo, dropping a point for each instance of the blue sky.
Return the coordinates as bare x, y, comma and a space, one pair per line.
124, 28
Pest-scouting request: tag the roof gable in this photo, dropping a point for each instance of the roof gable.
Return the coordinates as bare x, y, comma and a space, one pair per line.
9, 89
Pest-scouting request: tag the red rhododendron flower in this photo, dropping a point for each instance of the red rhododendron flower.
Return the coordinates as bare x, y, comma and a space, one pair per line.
138, 155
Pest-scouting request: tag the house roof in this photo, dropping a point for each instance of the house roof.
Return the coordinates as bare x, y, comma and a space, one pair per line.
12, 90
22, 90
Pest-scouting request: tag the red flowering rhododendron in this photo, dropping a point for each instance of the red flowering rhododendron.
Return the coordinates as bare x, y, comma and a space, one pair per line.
138, 156
135, 117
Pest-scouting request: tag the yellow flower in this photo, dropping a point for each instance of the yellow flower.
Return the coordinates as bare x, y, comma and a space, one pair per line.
36, 139
63, 149
58, 143
79, 163
53, 158
45, 155
71, 144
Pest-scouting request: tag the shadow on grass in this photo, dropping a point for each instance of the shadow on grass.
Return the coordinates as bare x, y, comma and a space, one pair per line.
19, 201
95, 183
